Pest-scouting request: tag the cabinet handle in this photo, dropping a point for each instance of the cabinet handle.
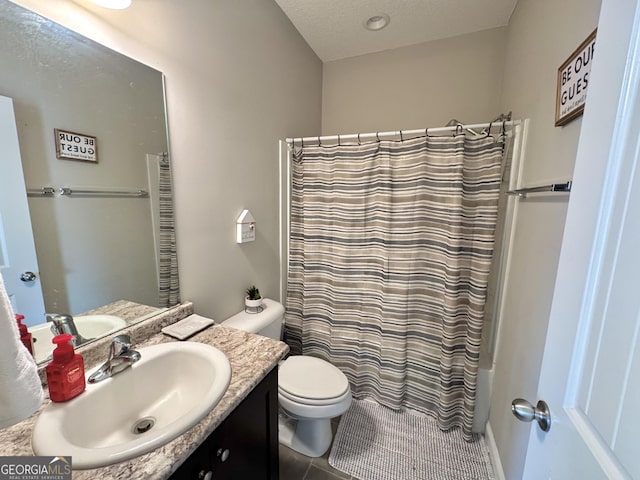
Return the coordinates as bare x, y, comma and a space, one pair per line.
223, 454
205, 475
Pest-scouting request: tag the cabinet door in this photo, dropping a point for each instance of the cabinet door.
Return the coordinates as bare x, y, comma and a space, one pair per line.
245, 445
248, 444
201, 464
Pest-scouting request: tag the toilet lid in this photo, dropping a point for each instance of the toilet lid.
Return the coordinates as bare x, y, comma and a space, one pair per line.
309, 377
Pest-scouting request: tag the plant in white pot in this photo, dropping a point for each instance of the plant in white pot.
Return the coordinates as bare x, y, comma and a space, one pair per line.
253, 299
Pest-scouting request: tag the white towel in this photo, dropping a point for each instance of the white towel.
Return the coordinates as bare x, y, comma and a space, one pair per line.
20, 388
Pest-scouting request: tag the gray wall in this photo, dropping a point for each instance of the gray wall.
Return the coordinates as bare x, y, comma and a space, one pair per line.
419, 86
541, 36
239, 77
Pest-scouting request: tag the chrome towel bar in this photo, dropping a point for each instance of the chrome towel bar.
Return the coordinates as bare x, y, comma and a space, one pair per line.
552, 187
41, 192
68, 191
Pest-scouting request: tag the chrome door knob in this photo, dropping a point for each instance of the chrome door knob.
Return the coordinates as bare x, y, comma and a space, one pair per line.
27, 276
525, 412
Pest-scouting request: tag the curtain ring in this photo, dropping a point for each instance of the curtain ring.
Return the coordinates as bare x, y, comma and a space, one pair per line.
401, 137
458, 129
504, 130
302, 141
489, 130
359, 139
339, 141
378, 136
426, 132
319, 140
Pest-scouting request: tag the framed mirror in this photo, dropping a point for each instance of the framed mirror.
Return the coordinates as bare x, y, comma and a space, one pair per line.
104, 233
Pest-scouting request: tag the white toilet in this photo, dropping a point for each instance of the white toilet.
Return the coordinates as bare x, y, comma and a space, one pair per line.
311, 391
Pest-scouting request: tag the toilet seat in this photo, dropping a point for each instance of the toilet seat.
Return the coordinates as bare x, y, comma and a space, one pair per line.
311, 381
314, 402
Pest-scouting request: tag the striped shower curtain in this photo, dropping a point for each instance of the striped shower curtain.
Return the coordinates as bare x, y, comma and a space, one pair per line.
390, 250
169, 288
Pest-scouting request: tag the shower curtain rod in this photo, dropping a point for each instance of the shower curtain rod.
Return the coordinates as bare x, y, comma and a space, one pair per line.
399, 133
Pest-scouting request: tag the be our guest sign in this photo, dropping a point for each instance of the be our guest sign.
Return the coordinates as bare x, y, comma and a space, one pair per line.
75, 146
573, 79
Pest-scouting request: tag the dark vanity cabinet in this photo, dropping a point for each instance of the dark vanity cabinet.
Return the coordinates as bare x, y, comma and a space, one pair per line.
245, 445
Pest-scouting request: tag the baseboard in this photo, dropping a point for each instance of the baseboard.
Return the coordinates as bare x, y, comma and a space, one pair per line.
494, 456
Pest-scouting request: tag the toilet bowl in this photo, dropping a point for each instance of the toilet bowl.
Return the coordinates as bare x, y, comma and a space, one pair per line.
311, 391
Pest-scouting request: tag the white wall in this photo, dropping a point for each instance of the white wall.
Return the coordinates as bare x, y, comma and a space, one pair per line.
419, 86
541, 35
239, 77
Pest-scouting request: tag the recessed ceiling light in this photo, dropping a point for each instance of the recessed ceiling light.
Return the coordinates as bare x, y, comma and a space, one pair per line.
115, 4
377, 22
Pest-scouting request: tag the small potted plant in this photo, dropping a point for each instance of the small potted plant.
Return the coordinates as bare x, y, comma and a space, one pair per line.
253, 300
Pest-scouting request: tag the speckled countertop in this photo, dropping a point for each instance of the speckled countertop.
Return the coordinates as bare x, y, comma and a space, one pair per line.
251, 358
129, 311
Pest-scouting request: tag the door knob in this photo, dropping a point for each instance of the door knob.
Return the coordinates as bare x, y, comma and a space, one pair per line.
526, 412
27, 276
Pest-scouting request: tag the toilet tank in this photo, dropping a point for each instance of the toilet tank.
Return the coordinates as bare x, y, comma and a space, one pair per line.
267, 323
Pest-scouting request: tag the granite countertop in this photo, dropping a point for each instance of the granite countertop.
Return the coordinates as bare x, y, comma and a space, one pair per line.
129, 311
251, 357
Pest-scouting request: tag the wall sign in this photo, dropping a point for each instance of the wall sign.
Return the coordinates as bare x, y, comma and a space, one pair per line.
573, 78
75, 146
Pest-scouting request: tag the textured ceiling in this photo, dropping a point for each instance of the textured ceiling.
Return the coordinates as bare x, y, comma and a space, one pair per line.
334, 28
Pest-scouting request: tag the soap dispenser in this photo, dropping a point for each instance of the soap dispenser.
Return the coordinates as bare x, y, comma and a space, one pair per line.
65, 373
25, 336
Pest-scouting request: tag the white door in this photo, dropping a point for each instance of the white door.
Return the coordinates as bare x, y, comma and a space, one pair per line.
17, 249
591, 368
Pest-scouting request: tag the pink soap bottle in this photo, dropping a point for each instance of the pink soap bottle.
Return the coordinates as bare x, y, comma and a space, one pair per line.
65, 373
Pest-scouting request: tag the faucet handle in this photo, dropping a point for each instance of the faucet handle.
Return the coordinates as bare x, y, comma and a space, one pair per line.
119, 345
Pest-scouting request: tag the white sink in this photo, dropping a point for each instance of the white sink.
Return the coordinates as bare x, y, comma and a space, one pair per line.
89, 326
173, 385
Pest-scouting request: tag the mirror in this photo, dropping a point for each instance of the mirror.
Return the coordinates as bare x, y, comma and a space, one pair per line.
95, 250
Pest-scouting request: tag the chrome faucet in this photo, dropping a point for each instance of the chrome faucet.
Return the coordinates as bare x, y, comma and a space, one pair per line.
63, 323
120, 358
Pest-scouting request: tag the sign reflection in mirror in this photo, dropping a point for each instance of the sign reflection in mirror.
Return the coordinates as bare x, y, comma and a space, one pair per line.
75, 146
92, 250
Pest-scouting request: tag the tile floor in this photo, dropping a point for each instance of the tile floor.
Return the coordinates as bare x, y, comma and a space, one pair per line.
294, 466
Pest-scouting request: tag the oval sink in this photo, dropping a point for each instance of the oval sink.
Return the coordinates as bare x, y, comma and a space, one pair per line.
89, 326
170, 389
